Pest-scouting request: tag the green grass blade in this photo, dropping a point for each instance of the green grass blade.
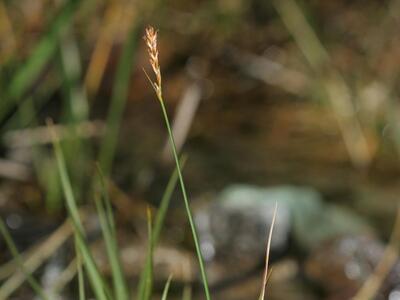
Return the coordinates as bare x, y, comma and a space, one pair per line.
186, 201
42, 53
165, 201
120, 289
118, 100
100, 289
158, 224
107, 203
166, 288
14, 251
65, 182
148, 286
81, 284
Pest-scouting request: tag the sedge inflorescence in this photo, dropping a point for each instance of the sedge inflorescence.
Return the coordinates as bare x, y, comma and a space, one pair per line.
151, 42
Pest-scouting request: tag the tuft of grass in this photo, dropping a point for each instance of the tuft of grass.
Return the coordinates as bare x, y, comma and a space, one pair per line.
158, 224
98, 284
107, 224
151, 42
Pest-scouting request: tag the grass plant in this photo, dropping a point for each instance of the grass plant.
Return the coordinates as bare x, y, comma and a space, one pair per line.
151, 42
75, 111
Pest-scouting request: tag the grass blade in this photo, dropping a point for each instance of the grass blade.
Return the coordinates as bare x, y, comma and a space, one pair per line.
166, 288
146, 288
81, 284
266, 270
187, 206
120, 289
165, 201
107, 203
100, 289
14, 251
159, 222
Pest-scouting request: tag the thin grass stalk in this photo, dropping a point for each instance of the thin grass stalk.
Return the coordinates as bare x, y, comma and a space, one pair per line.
151, 42
267, 273
186, 201
165, 201
148, 286
99, 286
166, 288
108, 228
158, 224
106, 198
81, 283
120, 289
14, 251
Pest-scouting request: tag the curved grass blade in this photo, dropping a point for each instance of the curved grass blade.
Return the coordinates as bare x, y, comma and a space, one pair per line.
166, 288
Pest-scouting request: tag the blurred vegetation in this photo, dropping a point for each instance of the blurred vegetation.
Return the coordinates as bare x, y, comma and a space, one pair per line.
264, 92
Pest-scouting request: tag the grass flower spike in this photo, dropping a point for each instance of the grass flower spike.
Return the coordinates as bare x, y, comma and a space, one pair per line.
151, 42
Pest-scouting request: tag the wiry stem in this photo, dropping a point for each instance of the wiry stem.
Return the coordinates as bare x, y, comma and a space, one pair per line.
151, 42
187, 207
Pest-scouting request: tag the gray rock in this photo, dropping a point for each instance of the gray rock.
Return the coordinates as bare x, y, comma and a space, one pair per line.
236, 224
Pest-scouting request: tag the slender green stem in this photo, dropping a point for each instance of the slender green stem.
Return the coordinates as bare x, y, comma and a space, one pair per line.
185, 198
166, 288
81, 285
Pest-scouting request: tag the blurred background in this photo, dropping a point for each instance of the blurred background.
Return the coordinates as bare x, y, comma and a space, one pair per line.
290, 102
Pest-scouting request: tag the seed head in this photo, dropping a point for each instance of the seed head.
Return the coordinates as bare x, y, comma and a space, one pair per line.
151, 42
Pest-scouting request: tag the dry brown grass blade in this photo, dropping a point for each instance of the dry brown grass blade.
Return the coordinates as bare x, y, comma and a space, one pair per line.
267, 273
8, 268
40, 135
103, 48
374, 282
